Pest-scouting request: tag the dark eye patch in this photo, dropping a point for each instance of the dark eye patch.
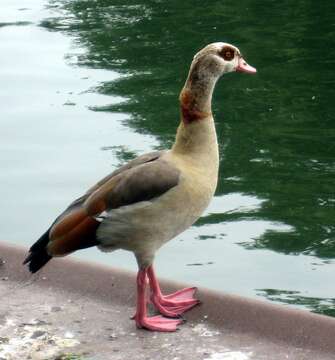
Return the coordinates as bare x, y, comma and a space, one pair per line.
227, 53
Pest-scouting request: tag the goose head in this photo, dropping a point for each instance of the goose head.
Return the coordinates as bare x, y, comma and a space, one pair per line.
217, 59
208, 65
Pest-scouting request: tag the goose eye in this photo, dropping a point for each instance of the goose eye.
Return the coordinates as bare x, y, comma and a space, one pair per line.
227, 53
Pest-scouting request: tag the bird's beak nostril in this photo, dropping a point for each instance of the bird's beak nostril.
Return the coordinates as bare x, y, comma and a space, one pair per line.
243, 66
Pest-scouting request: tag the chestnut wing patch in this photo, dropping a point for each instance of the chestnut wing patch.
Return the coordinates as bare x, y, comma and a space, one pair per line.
76, 230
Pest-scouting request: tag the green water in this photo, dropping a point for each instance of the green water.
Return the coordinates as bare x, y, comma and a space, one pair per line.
89, 84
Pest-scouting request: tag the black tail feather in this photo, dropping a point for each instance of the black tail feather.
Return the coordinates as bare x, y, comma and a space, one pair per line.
38, 255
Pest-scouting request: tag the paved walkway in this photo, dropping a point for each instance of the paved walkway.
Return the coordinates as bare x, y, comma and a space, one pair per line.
72, 308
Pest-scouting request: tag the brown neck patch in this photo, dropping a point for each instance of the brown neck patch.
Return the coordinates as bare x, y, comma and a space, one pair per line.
188, 108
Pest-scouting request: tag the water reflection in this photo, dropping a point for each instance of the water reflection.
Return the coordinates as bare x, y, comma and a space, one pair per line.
276, 130
325, 306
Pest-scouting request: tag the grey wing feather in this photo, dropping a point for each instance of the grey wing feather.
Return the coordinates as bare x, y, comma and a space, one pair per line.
152, 156
143, 179
143, 182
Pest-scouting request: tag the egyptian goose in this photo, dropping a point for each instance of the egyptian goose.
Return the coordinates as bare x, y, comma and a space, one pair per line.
153, 198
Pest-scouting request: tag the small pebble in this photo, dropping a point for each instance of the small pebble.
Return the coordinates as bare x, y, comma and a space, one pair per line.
56, 308
34, 322
38, 333
68, 335
112, 337
4, 340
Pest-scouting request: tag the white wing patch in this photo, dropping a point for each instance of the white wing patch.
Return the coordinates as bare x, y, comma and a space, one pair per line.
102, 216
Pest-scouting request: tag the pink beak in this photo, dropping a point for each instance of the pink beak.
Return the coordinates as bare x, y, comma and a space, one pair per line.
243, 66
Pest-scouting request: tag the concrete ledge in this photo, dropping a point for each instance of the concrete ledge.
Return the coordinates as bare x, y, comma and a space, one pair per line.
236, 322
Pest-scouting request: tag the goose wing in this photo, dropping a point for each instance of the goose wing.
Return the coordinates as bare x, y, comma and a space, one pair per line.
142, 179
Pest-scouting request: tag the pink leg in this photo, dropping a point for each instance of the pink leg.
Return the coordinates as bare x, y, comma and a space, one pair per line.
155, 323
172, 305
